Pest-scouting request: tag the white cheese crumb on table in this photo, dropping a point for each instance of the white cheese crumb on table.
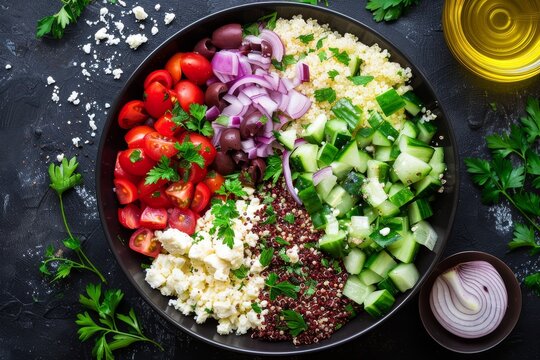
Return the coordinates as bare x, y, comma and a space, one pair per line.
136, 40
154, 30
157, 7
74, 98
86, 48
117, 73
60, 157
169, 17
139, 13
76, 141
8, 66
50, 80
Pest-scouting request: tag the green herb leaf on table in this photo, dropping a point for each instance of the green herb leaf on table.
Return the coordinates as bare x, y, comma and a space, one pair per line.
56, 24
524, 237
295, 322
389, 10
162, 171
63, 177
532, 281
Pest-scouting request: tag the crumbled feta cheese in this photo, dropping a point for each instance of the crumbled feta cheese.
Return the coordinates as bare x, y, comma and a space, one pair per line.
154, 30
122, 3
87, 47
157, 7
101, 34
8, 66
119, 25
169, 17
76, 141
92, 124
141, 26
136, 40
292, 253
87, 107
50, 80
384, 231
54, 96
174, 241
60, 157
139, 13
86, 73
73, 98
117, 73
107, 105
103, 11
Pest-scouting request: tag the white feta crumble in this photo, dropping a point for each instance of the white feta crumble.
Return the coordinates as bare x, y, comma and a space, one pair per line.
154, 30
92, 125
54, 96
122, 3
87, 48
76, 141
107, 105
87, 107
103, 11
136, 40
139, 13
117, 73
8, 66
174, 241
141, 26
50, 80
119, 25
292, 253
169, 17
86, 73
157, 7
384, 231
60, 157
74, 98
101, 34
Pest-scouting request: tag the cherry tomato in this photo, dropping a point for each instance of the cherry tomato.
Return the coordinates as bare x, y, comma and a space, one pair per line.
135, 161
133, 113
120, 173
166, 127
161, 76
157, 199
157, 145
126, 191
145, 189
180, 193
188, 93
214, 180
144, 242
208, 151
154, 218
130, 216
157, 99
194, 174
218, 198
134, 137
173, 66
183, 220
196, 68
201, 198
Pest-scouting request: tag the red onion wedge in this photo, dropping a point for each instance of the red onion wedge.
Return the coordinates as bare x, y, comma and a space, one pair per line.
470, 299
287, 171
322, 174
278, 49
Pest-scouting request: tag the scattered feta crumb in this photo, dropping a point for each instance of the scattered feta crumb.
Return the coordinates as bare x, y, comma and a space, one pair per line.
54, 96
60, 157
107, 105
119, 25
169, 17
122, 3
157, 7
87, 47
384, 231
76, 141
8, 66
154, 30
101, 34
50, 80
87, 107
73, 98
92, 125
141, 26
117, 73
139, 13
103, 11
86, 73
136, 40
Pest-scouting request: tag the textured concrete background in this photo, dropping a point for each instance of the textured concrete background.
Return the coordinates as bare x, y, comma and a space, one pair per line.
37, 318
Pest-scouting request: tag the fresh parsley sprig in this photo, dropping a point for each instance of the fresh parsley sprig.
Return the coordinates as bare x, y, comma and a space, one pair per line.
195, 120
63, 177
274, 168
162, 170
295, 322
532, 281
225, 211
109, 336
56, 24
284, 288
389, 10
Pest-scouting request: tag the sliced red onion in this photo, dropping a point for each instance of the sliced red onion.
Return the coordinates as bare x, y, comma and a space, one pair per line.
264, 150
298, 105
252, 153
225, 63
322, 174
470, 299
260, 72
259, 60
288, 84
253, 91
273, 79
218, 129
288, 176
266, 103
303, 71
236, 108
244, 67
278, 49
264, 140
249, 80
234, 121
212, 113
244, 99
248, 144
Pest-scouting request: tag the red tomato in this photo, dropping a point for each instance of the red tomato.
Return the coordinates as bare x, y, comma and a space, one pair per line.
120, 173
135, 161
145, 189
157, 99
156, 199
208, 151
180, 193
157, 145
183, 220
161, 76
188, 93
201, 198
196, 68
173, 66
134, 137
214, 180
144, 242
126, 191
166, 127
130, 216
153, 218
132, 113
194, 174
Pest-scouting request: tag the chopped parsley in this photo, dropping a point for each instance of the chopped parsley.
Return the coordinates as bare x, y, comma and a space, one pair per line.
255, 306
286, 61
195, 120
326, 94
361, 79
320, 43
311, 285
241, 272
162, 170
306, 39
333, 73
274, 168
225, 211
289, 218
342, 57
322, 56
189, 154
284, 288
283, 255
266, 256
271, 218
295, 322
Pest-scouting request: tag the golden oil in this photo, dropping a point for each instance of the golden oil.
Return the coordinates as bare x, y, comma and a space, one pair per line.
498, 40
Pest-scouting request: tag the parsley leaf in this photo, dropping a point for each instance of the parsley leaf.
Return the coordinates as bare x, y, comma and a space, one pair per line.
524, 238
231, 187
266, 256
162, 170
280, 241
295, 322
333, 73
388, 10
241, 272
56, 24
256, 307
269, 20
195, 120
361, 79
284, 288
289, 218
531, 123
225, 211
271, 218
326, 94
274, 168
286, 61
306, 39
311, 285
189, 153
322, 56
63, 177
342, 57
320, 43
532, 281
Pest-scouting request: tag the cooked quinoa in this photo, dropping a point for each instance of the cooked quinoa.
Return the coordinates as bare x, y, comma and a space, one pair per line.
375, 62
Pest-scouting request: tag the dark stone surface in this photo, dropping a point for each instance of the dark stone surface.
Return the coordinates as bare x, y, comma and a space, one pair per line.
37, 317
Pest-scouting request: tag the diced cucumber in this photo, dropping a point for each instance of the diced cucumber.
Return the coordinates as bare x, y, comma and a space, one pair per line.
370, 213
387, 209
409, 129
340, 169
401, 197
380, 263
339, 199
416, 148
359, 229
410, 169
314, 133
404, 249
375, 119
355, 211
319, 220
341, 139
387, 186
310, 199
383, 153
437, 170
332, 225
426, 131
356, 290
364, 137
327, 153
369, 277
424, 234
388, 284
345, 110
413, 104
381, 140
350, 155
373, 192
402, 222
404, 276
377, 170
393, 176
286, 138
354, 261
378, 303
353, 183
390, 101
303, 180
326, 185
334, 244
354, 65
388, 131
427, 186
304, 158
336, 132
395, 188
438, 156
364, 158
419, 210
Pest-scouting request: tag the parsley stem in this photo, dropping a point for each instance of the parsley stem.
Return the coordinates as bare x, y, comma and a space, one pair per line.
531, 221
93, 268
64, 216
140, 337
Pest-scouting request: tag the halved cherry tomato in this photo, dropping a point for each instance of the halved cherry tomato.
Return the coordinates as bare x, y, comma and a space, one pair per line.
120, 173
133, 113
135, 161
157, 199
144, 242
173, 66
162, 76
183, 220
158, 99
188, 93
180, 193
126, 191
144, 188
194, 173
130, 216
201, 198
157, 145
208, 151
214, 180
135, 137
153, 218
196, 67
166, 127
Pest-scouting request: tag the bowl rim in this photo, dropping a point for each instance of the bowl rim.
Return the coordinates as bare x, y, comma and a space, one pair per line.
328, 343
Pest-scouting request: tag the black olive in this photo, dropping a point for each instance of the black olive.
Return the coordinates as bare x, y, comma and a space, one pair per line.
224, 164
205, 48
214, 94
230, 140
266, 48
259, 167
228, 36
250, 126
240, 158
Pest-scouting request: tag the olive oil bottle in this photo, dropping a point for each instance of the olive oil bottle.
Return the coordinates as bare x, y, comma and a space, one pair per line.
498, 40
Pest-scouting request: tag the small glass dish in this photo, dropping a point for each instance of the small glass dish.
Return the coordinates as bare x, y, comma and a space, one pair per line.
456, 343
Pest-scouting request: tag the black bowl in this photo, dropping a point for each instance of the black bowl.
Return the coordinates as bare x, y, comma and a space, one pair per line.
112, 141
